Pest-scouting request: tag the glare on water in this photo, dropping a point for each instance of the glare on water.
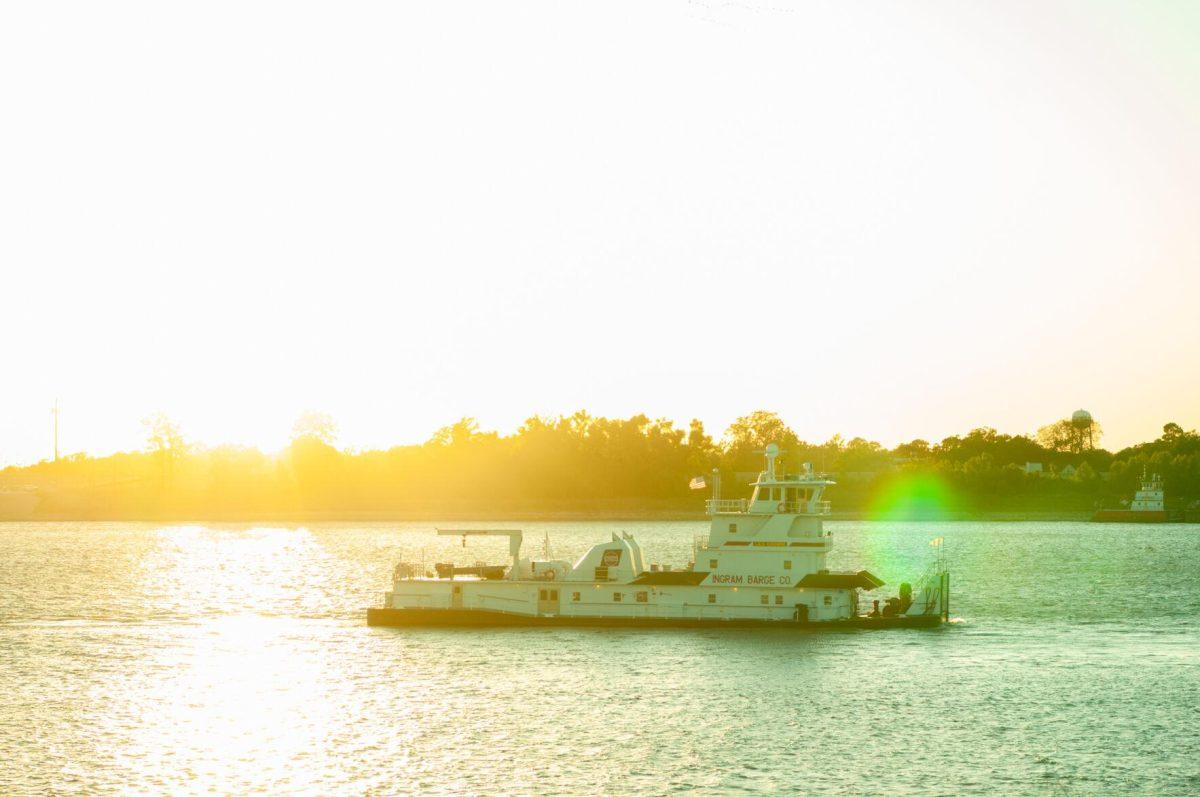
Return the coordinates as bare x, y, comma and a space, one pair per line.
234, 659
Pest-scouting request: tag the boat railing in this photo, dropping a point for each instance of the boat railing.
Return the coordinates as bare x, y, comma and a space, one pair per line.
718, 506
806, 508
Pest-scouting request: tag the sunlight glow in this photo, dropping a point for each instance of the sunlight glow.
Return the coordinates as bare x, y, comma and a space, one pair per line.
450, 213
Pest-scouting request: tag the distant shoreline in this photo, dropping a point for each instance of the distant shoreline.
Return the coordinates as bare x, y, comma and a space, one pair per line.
544, 516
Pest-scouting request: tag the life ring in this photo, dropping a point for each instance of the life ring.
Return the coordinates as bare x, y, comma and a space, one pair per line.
549, 575
779, 509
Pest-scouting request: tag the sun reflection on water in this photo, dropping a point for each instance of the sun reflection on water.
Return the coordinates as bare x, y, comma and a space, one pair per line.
195, 570
235, 660
233, 705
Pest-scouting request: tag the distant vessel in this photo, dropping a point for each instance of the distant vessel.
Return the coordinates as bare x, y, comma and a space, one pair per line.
1147, 507
762, 565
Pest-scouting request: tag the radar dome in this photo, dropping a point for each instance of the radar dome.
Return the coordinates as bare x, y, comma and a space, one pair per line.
1081, 419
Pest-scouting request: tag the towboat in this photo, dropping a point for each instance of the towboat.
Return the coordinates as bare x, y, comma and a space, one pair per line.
1148, 506
762, 565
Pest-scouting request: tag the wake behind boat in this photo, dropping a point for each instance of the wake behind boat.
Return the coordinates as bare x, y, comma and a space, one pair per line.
762, 565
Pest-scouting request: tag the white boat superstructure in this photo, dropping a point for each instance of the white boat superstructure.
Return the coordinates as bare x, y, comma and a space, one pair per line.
1150, 497
763, 562
1148, 506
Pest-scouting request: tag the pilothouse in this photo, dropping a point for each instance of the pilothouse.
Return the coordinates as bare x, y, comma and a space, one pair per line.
762, 564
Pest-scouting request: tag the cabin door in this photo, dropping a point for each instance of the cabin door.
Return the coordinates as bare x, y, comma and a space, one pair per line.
547, 601
456, 597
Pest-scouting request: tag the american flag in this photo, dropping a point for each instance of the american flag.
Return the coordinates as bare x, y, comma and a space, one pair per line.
697, 483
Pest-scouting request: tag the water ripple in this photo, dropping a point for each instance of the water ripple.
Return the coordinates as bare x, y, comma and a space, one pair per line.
234, 660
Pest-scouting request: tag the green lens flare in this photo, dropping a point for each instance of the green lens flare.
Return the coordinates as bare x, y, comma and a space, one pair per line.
916, 496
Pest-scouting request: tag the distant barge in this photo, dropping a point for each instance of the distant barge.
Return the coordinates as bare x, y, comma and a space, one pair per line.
761, 566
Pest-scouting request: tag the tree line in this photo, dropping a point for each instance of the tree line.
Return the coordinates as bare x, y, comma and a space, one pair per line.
585, 464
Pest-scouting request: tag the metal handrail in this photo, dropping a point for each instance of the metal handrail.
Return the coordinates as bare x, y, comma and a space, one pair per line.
806, 508
723, 505
718, 505
738, 505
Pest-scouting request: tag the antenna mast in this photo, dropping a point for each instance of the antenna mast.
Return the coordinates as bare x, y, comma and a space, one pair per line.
54, 412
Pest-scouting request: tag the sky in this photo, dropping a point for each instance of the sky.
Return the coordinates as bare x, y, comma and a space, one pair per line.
890, 220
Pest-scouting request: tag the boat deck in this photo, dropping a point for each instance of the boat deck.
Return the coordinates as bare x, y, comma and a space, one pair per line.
470, 618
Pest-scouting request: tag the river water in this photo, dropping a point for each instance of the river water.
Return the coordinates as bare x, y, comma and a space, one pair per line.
146, 658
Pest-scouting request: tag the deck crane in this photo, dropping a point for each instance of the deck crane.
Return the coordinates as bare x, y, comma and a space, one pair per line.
514, 538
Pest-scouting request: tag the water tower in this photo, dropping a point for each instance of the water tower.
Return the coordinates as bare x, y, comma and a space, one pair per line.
1085, 430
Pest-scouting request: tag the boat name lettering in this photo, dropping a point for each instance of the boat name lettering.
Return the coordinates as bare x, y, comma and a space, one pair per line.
758, 581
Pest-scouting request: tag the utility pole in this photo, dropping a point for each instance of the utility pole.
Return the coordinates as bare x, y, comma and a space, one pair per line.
54, 412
